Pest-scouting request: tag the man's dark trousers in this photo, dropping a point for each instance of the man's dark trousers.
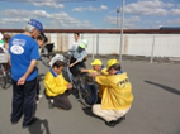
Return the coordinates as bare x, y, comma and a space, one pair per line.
24, 101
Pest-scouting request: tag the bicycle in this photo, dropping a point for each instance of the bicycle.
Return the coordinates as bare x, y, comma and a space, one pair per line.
88, 90
87, 93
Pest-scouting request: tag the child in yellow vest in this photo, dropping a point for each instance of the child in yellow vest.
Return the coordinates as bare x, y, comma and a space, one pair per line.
117, 97
97, 66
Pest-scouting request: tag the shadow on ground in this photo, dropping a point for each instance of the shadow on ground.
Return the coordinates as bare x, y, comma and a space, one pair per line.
88, 111
163, 87
39, 127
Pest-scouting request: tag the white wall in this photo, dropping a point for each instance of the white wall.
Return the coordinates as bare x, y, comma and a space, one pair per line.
166, 45
139, 44
91, 47
109, 43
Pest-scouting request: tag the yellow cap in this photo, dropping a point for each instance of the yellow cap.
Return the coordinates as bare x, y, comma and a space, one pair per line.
111, 62
96, 62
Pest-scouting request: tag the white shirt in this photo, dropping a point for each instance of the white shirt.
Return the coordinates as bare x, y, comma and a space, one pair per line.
74, 46
76, 43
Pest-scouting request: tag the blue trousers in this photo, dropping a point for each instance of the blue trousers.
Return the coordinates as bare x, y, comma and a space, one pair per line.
24, 101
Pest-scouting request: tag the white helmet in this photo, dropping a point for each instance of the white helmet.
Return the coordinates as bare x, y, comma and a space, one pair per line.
58, 57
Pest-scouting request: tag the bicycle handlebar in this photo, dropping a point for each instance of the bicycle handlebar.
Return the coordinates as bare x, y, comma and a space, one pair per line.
48, 54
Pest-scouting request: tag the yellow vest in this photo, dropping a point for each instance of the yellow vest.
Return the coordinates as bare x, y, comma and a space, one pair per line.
55, 85
116, 92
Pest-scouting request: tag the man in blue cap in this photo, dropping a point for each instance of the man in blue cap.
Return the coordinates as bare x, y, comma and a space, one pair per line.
23, 51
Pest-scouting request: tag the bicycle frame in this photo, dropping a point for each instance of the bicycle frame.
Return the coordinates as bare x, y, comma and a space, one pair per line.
48, 58
67, 64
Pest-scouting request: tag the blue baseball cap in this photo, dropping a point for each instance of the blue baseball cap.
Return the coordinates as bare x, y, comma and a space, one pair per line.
36, 24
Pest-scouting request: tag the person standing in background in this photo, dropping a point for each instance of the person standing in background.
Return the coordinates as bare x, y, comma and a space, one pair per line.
6, 39
76, 43
77, 37
6, 46
41, 40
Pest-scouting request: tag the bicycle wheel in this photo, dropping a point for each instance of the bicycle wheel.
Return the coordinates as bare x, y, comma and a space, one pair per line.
1, 76
8, 79
92, 92
85, 93
90, 97
78, 89
4, 78
4, 82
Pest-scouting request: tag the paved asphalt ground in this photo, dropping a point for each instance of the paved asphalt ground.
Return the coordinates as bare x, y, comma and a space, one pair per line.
155, 109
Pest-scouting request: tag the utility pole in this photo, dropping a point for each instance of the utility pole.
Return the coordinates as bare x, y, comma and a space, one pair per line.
118, 11
122, 30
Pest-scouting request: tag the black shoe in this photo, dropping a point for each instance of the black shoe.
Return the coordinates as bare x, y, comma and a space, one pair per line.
122, 118
113, 123
110, 123
30, 123
68, 92
14, 122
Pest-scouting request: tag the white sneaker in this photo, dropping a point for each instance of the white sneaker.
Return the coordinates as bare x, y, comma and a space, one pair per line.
37, 102
40, 96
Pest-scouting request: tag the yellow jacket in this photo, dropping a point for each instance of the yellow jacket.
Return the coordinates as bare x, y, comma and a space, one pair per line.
116, 92
55, 85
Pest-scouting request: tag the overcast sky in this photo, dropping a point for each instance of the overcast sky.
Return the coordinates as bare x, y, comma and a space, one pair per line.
90, 13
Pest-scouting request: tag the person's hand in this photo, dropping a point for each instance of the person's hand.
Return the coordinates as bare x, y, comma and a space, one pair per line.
69, 86
21, 81
94, 74
72, 64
